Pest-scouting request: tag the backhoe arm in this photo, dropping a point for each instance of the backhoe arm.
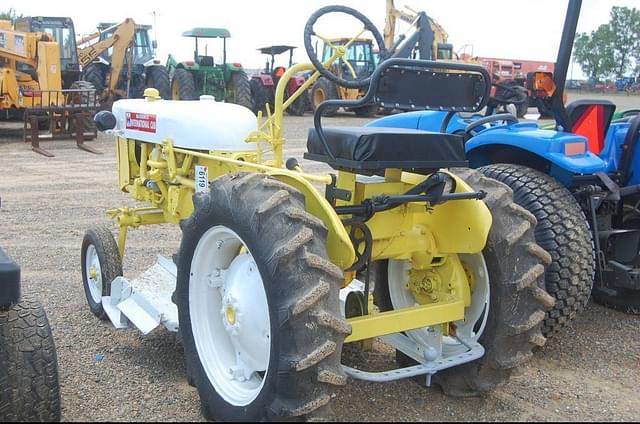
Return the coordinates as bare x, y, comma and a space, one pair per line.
120, 41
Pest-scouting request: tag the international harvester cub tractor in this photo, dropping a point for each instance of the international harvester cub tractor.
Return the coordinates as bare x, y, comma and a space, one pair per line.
448, 271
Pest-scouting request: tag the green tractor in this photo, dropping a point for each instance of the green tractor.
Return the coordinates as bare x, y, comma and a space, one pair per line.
201, 76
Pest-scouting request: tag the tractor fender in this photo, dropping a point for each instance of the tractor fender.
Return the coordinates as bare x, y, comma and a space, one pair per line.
422, 120
189, 66
548, 151
339, 246
294, 83
566, 153
233, 67
9, 281
151, 62
264, 79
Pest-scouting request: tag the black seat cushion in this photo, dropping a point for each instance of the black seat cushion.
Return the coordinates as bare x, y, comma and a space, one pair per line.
373, 148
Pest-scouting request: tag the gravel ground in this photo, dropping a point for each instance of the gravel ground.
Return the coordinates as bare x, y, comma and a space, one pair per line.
588, 372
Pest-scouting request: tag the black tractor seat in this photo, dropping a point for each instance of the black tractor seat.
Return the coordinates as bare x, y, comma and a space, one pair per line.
370, 150
410, 85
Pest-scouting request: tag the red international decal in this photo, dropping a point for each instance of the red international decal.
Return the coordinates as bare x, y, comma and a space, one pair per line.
141, 122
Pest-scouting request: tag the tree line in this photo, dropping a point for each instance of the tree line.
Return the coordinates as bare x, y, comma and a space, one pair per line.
612, 50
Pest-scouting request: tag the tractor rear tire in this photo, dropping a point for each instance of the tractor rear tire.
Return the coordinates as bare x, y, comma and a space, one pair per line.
262, 95
563, 231
29, 386
516, 266
158, 78
367, 111
240, 90
323, 90
300, 105
99, 251
183, 87
301, 288
96, 74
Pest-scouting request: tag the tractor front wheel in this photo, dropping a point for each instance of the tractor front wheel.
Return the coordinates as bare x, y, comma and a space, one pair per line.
183, 87
258, 303
562, 230
321, 91
158, 78
239, 89
101, 264
508, 301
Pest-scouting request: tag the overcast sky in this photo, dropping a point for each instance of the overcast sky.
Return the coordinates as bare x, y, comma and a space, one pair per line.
517, 29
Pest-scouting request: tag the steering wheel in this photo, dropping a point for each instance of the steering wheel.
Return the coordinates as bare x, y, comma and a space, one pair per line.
506, 117
368, 26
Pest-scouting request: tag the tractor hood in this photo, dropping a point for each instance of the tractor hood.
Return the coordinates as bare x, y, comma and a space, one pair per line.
201, 124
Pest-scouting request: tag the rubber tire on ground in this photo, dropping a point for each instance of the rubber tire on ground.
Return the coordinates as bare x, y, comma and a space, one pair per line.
158, 78
563, 231
84, 99
516, 266
300, 105
329, 92
302, 287
29, 387
110, 264
262, 95
96, 73
240, 90
183, 85
367, 111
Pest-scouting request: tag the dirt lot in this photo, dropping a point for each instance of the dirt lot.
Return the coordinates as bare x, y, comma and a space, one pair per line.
588, 372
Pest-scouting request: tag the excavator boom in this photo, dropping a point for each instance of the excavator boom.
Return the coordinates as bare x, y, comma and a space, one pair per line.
121, 40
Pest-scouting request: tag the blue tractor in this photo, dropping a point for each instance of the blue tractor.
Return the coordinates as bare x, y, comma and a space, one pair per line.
580, 179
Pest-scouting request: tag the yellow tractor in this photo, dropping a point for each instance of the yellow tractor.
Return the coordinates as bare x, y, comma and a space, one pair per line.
31, 83
273, 276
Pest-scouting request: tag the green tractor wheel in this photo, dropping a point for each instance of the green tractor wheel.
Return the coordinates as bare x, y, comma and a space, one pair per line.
183, 85
239, 90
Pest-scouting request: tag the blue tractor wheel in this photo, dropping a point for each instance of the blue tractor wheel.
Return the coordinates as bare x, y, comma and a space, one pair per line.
563, 231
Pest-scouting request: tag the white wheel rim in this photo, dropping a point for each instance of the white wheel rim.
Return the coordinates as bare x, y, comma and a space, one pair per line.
93, 273
476, 315
229, 315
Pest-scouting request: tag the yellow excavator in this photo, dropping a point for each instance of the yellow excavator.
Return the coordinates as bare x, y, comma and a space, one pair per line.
31, 88
426, 38
118, 60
